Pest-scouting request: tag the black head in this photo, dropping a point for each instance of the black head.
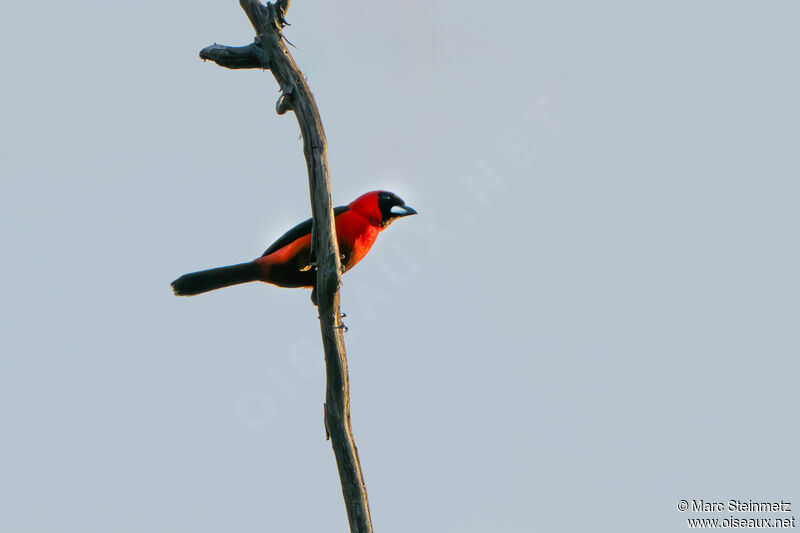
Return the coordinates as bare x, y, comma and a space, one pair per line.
392, 207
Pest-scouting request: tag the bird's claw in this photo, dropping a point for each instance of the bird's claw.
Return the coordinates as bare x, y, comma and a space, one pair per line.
342, 327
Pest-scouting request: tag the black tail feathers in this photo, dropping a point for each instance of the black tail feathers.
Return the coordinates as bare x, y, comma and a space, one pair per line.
215, 278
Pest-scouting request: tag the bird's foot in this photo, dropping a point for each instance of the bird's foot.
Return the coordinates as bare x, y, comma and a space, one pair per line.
342, 327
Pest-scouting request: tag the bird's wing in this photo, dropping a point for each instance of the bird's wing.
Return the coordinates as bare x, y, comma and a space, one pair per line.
300, 230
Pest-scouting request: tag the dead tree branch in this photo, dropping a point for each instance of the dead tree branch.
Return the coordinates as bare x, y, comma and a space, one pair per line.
269, 51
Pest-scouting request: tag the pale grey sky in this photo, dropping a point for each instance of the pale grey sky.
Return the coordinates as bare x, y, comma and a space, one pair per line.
594, 316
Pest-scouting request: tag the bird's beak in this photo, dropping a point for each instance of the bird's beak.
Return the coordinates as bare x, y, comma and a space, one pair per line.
402, 211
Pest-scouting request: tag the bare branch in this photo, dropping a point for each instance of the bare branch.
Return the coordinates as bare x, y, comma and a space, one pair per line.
270, 51
233, 57
281, 7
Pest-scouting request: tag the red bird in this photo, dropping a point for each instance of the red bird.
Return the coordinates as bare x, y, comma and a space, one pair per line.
287, 263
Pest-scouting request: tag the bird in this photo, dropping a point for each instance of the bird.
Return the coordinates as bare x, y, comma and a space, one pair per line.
288, 262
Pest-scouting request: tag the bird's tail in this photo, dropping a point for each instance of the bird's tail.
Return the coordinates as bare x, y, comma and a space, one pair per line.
215, 278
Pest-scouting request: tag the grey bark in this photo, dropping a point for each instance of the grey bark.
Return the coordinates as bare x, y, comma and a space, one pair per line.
269, 51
